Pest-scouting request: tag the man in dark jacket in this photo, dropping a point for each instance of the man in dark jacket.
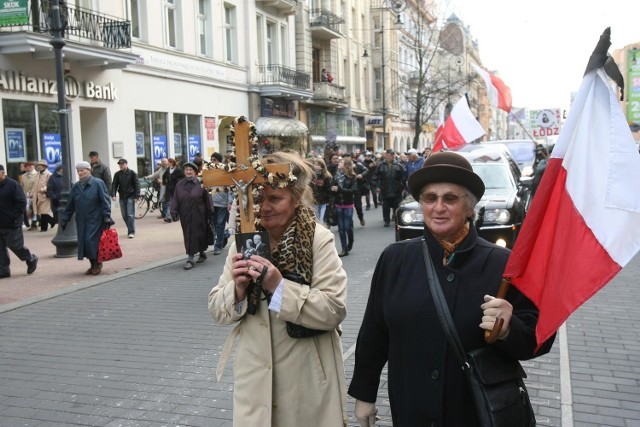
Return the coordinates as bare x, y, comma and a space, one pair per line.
390, 176
363, 185
12, 206
54, 191
99, 170
127, 186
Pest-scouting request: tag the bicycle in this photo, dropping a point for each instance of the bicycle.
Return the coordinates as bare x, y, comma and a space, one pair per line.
149, 201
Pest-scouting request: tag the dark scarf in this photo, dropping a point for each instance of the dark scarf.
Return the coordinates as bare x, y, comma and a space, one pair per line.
450, 247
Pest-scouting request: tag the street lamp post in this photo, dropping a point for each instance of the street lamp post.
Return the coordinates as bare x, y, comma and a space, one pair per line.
65, 241
397, 6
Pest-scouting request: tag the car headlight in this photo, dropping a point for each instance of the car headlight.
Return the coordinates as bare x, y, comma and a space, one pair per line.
498, 216
411, 216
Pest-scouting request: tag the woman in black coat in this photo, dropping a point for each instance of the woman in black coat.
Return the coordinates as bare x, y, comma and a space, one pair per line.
193, 205
401, 325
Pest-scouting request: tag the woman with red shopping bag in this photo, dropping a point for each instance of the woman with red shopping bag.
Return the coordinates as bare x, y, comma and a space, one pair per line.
89, 200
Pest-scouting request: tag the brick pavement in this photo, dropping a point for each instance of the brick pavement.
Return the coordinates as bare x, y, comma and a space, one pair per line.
138, 348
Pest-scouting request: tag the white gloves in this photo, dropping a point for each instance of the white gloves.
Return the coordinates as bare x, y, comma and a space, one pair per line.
494, 309
366, 413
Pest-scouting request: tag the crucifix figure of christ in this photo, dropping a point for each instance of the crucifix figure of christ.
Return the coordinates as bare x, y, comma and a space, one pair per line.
244, 177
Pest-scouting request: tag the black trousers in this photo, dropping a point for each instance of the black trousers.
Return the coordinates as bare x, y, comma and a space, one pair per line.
12, 238
389, 203
357, 201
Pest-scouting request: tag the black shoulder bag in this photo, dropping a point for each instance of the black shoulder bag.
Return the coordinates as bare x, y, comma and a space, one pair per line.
495, 380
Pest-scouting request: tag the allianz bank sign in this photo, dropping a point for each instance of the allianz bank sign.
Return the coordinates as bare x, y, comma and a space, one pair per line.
17, 81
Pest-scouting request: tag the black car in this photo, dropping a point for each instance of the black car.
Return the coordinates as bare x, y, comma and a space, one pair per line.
501, 210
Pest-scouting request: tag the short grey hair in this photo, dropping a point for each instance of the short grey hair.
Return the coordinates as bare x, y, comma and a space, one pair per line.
470, 204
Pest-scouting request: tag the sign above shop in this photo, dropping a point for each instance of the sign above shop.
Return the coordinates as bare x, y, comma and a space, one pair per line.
17, 81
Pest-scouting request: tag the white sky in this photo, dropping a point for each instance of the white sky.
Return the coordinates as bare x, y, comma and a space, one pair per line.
540, 48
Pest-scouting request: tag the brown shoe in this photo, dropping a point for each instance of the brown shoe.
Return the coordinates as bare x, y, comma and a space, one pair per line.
89, 272
96, 270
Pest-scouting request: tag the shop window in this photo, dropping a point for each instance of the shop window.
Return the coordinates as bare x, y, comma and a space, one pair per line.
186, 137
151, 140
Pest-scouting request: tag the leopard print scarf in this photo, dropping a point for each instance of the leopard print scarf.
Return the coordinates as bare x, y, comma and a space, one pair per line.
294, 252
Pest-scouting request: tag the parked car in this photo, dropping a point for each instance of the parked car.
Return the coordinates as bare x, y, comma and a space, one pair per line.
523, 151
501, 210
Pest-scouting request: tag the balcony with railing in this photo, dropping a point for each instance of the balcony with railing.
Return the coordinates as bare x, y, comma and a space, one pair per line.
328, 94
325, 25
90, 35
278, 81
286, 7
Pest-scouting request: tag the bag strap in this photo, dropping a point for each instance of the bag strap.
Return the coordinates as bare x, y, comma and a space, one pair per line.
443, 309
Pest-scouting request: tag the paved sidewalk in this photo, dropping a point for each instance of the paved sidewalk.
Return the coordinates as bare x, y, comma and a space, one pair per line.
155, 241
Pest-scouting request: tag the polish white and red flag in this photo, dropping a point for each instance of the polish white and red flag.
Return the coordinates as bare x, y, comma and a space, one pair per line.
583, 226
498, 92
460, 128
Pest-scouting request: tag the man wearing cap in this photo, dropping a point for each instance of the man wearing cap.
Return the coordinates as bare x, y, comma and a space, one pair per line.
414, 162
39, 199
199, 162
126, 185
12, 205
390, 176
29, 179
100, 170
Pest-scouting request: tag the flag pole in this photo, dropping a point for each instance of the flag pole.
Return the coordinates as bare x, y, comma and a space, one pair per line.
521, 125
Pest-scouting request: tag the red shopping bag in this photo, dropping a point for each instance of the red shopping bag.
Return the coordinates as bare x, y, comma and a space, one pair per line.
109, 248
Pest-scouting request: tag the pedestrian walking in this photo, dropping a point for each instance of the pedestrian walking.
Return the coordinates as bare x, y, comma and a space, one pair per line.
99, 169
401, 326
12, 206
321, 188
29, 178
158, 185
192, 204
54, 191
126, 185
288, 369
370, 163
390, 176
170, 178
345, 188
39, 199
89, 200
222, 200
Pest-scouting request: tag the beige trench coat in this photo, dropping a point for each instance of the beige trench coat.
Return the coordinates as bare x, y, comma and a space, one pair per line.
39, 200
281, 381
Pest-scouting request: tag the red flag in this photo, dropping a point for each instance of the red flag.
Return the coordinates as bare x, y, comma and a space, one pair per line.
459, 128
498, 92
583, 226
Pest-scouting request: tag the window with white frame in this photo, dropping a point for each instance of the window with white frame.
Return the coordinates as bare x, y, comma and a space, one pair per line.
377, 81
271, 39
260, 36
171, 22
135, 19
230, 34
204, 27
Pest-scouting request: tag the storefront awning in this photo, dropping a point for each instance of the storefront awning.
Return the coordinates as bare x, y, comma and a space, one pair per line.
278, 126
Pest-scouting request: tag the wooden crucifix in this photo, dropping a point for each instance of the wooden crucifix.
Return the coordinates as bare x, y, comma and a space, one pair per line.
244, 177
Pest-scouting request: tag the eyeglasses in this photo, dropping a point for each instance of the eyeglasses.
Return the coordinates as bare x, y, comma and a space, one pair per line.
448, 198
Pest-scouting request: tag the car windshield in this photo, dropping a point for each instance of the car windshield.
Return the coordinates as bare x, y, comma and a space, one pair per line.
523, 152
495, 176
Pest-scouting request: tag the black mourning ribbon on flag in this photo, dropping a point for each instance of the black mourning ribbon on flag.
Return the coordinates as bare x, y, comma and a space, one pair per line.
601, 59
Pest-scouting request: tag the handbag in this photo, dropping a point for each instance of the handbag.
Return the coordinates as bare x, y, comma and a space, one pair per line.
496, 381
109, 248
330, 214
211, 237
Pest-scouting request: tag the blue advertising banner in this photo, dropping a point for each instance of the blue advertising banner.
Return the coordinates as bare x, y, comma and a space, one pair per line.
194, 146
159, 148
139, 144
16, 145
52, 149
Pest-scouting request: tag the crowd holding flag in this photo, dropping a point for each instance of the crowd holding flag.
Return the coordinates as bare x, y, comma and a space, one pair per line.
583, 226
460, 128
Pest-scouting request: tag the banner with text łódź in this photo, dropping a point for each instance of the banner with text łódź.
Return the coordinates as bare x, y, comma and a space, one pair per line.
159, 148
194, 146
14, 12
16, 144
52, 149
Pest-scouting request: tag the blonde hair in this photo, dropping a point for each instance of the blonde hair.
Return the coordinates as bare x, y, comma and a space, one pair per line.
301, 169
348, 167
